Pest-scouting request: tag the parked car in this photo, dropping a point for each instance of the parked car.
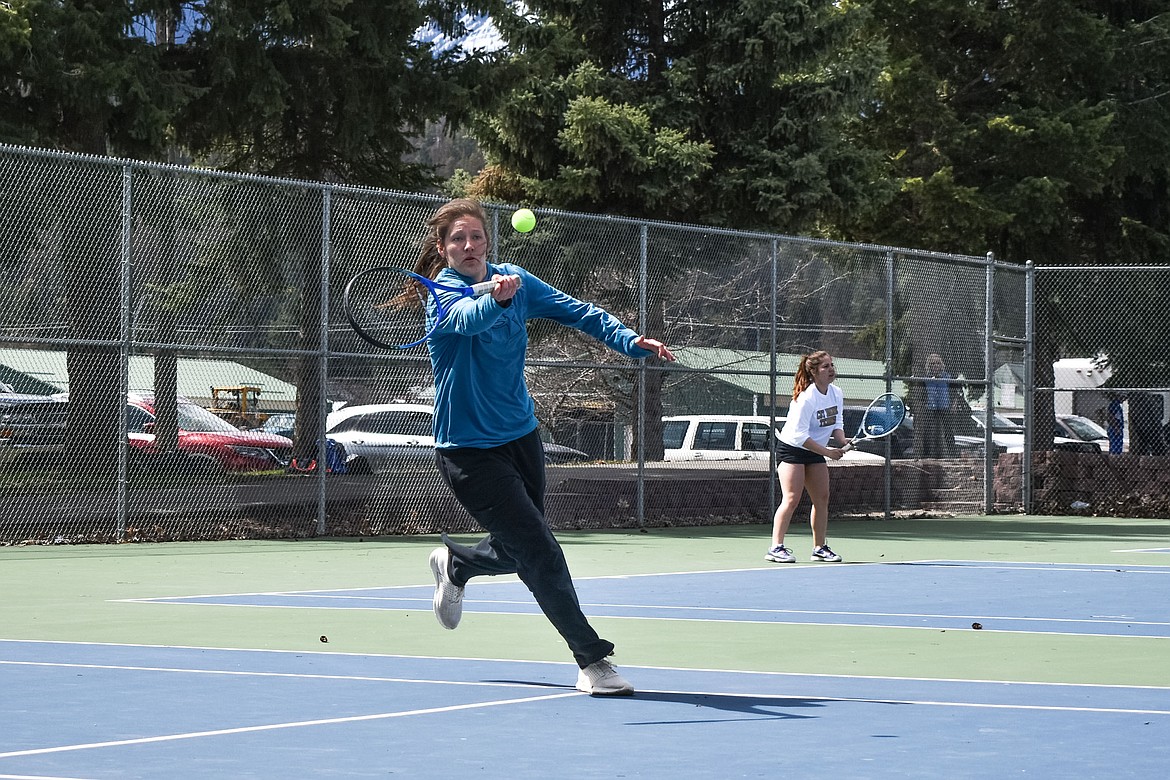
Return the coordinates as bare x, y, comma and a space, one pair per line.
1074, 426
394, 432
280, 424
36, 425
30, 425
339, 458
559, 453
903, 445
1009, 435
1004, 432
901, 441
714, 437
204, 436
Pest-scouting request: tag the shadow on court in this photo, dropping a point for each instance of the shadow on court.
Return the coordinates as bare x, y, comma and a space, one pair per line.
762, 707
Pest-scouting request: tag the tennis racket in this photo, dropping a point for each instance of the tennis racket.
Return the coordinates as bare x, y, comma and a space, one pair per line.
882, 417
393, 308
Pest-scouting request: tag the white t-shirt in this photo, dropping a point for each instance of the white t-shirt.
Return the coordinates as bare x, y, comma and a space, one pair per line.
815, 416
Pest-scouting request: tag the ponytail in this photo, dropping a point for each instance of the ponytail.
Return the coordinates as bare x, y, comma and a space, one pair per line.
806, 372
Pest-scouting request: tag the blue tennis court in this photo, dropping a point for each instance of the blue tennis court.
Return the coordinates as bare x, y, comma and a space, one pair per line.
129, 711
1031, 597
212, 661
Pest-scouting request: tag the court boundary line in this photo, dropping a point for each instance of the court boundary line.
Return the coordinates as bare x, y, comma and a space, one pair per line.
651, 667
506, 579
277, 726
422, 601
1110, 620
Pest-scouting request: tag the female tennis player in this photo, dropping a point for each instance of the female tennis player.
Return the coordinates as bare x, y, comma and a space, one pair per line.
488, 448
814, 419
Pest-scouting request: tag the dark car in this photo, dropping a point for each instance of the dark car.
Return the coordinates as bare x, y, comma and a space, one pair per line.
559, 453
902, 439
280, 424
30, 425
35, 425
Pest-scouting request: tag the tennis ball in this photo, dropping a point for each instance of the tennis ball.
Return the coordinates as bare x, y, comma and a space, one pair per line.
523, 220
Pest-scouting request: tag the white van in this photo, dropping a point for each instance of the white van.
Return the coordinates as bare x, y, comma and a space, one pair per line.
707, 437
716, 437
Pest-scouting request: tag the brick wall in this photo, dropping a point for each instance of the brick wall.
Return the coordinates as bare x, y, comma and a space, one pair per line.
955, 486
1117, 485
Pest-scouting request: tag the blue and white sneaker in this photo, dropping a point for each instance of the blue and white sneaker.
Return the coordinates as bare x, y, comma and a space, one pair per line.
601, 679
448, 600
823, 553
780, 554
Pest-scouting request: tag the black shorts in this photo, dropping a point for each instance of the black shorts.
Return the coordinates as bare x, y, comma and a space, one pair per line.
786, 453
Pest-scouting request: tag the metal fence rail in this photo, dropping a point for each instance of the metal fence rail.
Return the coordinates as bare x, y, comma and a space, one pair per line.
131, 290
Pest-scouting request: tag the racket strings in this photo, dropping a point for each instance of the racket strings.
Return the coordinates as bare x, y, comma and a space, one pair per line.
390, 307
413, 295
884, 416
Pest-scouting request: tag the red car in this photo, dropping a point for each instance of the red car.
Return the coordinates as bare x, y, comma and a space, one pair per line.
203, 435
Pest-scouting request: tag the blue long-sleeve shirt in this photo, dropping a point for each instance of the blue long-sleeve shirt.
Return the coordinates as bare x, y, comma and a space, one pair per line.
478, 351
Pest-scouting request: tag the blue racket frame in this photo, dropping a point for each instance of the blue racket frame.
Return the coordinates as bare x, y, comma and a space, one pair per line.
354, 314
882, 417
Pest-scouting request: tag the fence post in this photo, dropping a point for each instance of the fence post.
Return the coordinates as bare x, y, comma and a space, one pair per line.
125, 325
643, 281
1029, 381
772, 464
888, 469
989, 386
323, 356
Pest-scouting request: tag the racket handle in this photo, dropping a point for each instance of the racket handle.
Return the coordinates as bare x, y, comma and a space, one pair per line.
483, 288
848, 446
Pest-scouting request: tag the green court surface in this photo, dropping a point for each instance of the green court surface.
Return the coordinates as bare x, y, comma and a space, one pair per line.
95, 593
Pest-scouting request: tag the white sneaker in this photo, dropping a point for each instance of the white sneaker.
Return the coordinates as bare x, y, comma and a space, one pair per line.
780, 554
601, 679
823, 553
448, 601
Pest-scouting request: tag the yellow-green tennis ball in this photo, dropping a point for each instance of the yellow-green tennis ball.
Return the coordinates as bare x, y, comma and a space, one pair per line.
523, 220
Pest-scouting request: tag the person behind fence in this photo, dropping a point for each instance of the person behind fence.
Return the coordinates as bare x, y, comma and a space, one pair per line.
938, 439
488, 447
1147, 435
1115, 424
814, 419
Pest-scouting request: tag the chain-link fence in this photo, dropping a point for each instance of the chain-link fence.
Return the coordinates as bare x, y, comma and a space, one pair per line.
176, 365
1099, 411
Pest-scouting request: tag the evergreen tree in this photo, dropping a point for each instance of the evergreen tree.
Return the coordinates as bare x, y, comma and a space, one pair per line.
724, 112
77, 79
1039, 131
323, 89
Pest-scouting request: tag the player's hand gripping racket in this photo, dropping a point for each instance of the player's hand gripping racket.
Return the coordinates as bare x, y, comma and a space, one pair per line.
388, 307
881, 418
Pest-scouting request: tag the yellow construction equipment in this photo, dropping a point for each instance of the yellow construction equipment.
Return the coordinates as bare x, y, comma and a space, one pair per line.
239, 405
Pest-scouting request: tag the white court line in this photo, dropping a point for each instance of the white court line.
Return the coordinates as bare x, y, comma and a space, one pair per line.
1104, 620
238, 673
276, 726
482, 705
563, 664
